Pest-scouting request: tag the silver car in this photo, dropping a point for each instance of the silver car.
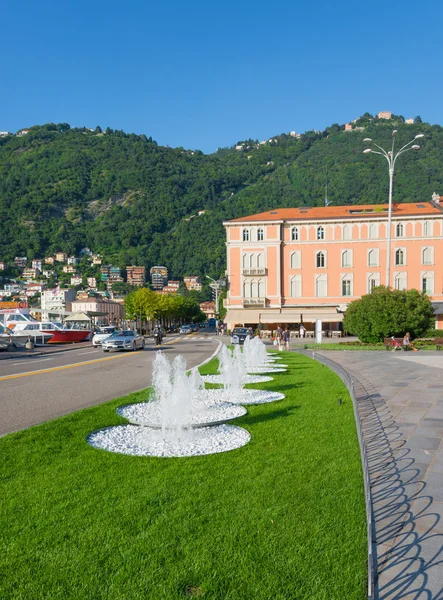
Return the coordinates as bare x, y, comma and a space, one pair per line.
124, 340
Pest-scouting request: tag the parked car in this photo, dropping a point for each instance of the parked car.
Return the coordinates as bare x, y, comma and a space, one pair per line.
101, 334
239, 334
123, 340
171, 329
185, 329
194, 327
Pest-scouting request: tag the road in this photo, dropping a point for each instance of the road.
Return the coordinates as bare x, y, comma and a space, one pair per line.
35, 390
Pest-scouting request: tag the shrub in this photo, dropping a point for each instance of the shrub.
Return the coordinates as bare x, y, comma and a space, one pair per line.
386, 312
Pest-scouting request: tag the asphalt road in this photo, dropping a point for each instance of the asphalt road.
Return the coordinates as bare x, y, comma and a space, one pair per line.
35, 390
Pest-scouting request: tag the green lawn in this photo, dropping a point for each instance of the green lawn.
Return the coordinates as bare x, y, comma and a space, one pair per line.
282, 518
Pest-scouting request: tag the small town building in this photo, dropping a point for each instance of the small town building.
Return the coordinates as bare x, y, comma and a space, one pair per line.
208, 308
112, 311
136, 276
31, 274
92, 282
20, 261
159, 277
61, 257
57, 302
76, 280
49, 260
193, 282
68, 269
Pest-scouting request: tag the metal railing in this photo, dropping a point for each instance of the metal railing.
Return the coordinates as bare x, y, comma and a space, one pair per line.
360, 411
254, 302
255, 271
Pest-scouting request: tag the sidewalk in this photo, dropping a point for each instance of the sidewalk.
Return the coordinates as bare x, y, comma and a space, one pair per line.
406, 465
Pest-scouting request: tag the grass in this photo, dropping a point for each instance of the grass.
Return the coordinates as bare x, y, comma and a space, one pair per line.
279, 519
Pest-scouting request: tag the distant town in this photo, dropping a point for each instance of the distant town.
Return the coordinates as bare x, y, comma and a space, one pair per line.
59, 284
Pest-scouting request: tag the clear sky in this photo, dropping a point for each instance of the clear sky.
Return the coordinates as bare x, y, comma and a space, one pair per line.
205, 74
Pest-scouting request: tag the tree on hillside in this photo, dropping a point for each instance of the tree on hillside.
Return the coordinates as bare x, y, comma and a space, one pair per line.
387, 312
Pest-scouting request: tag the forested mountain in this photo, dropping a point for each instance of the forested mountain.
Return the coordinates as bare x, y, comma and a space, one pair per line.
138, 203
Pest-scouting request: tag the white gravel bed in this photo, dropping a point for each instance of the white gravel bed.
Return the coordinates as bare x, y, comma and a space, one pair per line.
244, 396
258, 370
144, 441
203, 413
248, 379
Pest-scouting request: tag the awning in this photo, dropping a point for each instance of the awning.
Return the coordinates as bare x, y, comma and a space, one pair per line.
303, 314
79, 317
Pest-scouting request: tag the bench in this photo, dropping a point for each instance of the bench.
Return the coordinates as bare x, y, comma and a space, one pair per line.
438, 342
389, 341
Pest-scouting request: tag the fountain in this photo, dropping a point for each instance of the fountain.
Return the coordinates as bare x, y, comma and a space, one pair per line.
233, 370
256, 358
233, 376
178, 421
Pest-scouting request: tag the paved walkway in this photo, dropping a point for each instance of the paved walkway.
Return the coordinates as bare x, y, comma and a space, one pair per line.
406, 466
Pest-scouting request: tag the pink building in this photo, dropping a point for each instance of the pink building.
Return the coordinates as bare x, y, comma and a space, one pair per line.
112, 312
297, 265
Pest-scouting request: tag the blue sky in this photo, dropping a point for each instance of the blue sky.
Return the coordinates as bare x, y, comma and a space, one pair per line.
204, 75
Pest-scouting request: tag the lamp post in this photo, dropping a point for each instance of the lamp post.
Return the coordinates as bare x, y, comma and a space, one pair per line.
215, 285
391, 156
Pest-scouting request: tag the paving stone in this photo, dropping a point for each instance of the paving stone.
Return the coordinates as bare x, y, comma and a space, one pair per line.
422, 442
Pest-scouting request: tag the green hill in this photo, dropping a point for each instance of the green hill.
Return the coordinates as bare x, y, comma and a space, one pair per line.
137, 202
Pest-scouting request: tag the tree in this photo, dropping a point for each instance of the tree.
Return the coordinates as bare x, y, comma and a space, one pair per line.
387, 312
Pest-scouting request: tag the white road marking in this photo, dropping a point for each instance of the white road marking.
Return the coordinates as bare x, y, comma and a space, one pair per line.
89, 352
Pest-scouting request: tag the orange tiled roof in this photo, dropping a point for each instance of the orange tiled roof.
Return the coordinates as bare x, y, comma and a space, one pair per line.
341, 212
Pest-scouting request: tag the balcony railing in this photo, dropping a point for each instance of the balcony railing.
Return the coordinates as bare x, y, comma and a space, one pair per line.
256, 271
254, 302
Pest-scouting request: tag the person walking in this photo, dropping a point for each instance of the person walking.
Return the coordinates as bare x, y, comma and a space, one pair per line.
286, 338
302, 331
278, 337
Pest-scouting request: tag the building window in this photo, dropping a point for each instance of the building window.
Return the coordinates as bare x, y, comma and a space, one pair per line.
346, 258
347, 231
260, 235
427, 283
245, 261
346, 287
260, 261
321, 288
427, 256
296, 260
320, 233
261, 289
252, 262
246, 290
400, 281
254, 289
320, 260
399, 257
427, 228
296, 286
294, 234
246, 235
372, 284
373, 231
373, 258
399, 230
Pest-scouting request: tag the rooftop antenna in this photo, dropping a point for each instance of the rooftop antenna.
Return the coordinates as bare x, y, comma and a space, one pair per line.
327, 202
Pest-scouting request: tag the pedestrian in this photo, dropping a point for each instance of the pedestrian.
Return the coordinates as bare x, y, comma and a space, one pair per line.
286, 338
302, 331
408, 344
278, 336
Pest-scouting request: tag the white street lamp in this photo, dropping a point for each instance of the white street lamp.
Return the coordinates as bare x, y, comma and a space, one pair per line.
391, 157
215, 285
